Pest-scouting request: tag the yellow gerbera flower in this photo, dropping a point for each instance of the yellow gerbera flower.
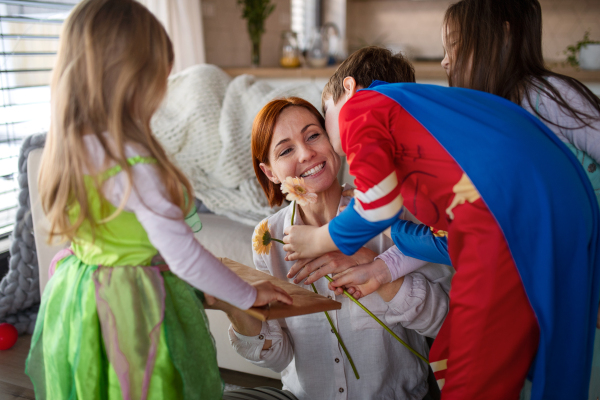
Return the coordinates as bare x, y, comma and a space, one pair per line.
297, 190
262, 240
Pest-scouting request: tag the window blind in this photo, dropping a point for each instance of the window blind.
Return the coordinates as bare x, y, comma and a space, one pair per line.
29, 32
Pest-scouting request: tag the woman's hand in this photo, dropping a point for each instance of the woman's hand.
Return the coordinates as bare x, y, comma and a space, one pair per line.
362, 280
213, 303
331, 263
266, 292
242, 323
304, 241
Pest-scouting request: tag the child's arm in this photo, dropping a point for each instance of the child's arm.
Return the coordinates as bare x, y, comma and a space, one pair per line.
584, 138
187, 258
418, 241
366, 123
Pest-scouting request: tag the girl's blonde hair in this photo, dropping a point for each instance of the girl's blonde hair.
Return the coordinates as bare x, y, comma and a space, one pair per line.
110, 76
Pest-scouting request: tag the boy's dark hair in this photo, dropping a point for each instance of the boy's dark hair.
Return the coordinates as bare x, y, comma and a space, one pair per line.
367, 65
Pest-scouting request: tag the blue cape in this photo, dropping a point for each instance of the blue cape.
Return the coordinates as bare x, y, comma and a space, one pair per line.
543, 202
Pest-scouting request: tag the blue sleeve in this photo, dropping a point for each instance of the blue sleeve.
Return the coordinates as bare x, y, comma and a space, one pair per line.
349, 231
418, 241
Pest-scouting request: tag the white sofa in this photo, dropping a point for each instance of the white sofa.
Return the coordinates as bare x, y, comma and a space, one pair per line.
220, 235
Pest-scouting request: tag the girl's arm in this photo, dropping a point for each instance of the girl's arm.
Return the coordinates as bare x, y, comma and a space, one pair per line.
173, 238
418, 241
584, 138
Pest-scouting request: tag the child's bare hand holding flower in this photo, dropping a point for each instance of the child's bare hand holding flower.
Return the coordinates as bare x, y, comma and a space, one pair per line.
364, 279
304, 241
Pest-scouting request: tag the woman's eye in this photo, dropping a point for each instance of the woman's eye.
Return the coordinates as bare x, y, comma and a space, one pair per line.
285, 152
314, 136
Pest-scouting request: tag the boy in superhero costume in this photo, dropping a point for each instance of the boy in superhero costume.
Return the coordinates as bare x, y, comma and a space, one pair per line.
521, 219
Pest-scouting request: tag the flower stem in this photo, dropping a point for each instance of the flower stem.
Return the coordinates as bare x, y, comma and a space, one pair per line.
277, 240
381, 323
293, 211
339, 338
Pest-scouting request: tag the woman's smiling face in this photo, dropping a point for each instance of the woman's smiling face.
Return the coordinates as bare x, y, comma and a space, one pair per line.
300, 147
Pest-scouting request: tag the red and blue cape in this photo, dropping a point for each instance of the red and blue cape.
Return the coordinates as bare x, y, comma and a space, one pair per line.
544, 204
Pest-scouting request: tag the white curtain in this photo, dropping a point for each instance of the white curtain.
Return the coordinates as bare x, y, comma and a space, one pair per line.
183, 21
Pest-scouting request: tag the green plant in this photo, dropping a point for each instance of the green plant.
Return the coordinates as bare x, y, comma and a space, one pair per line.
256, 12
572, 51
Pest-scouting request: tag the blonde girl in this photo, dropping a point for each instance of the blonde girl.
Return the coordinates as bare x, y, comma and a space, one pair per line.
115, 321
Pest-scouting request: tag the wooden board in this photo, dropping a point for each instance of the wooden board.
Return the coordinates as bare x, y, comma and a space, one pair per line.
305, 301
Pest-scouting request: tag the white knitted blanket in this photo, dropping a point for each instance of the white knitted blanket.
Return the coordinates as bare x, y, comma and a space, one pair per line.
205, 125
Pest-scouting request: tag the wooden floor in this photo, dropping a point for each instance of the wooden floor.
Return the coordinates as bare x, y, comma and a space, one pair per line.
14, 384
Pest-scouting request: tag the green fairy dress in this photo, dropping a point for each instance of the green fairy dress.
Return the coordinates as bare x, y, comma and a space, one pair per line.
112, 325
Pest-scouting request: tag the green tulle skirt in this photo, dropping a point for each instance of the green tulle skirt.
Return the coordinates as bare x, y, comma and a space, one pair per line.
121, 333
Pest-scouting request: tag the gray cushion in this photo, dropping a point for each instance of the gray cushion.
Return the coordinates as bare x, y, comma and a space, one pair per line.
226, 238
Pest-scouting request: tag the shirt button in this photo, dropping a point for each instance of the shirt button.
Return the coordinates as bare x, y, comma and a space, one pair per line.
341, 390
261, 337
337, 360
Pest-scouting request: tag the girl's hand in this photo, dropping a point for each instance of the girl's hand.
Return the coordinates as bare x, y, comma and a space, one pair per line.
362, 280
303, 241
331, 263
266, 292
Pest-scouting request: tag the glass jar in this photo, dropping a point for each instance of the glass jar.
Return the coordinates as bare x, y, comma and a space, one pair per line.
290, 54
317, 54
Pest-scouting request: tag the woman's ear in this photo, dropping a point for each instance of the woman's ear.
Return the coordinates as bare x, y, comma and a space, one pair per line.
349, 87
269, 173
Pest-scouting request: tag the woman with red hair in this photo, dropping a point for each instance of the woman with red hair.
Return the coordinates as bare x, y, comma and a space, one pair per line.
289, 140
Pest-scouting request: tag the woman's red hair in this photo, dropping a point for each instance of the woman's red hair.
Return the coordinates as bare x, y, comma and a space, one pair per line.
262, 134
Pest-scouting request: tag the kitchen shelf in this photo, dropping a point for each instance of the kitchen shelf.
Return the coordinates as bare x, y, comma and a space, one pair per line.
429, 70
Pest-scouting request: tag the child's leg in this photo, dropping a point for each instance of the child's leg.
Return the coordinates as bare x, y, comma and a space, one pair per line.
492, 330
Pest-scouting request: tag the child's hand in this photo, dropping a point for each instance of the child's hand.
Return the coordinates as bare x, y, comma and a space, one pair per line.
303, 241
333, 262
362, 280
266, 292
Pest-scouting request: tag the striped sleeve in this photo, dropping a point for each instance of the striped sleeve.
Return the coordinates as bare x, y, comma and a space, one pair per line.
366, 123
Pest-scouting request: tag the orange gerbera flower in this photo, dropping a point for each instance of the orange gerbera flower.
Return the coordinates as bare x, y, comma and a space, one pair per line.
296, 189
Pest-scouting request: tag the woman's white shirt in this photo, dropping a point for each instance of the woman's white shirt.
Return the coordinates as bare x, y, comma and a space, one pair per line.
307, 353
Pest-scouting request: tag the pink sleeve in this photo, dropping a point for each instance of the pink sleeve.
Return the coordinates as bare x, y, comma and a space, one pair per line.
168, 232
398, 263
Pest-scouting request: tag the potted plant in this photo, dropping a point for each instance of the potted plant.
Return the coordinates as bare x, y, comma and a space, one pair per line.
589, 53
256, 12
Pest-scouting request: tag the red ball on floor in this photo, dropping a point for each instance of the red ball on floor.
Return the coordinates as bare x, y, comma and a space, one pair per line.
8, 336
